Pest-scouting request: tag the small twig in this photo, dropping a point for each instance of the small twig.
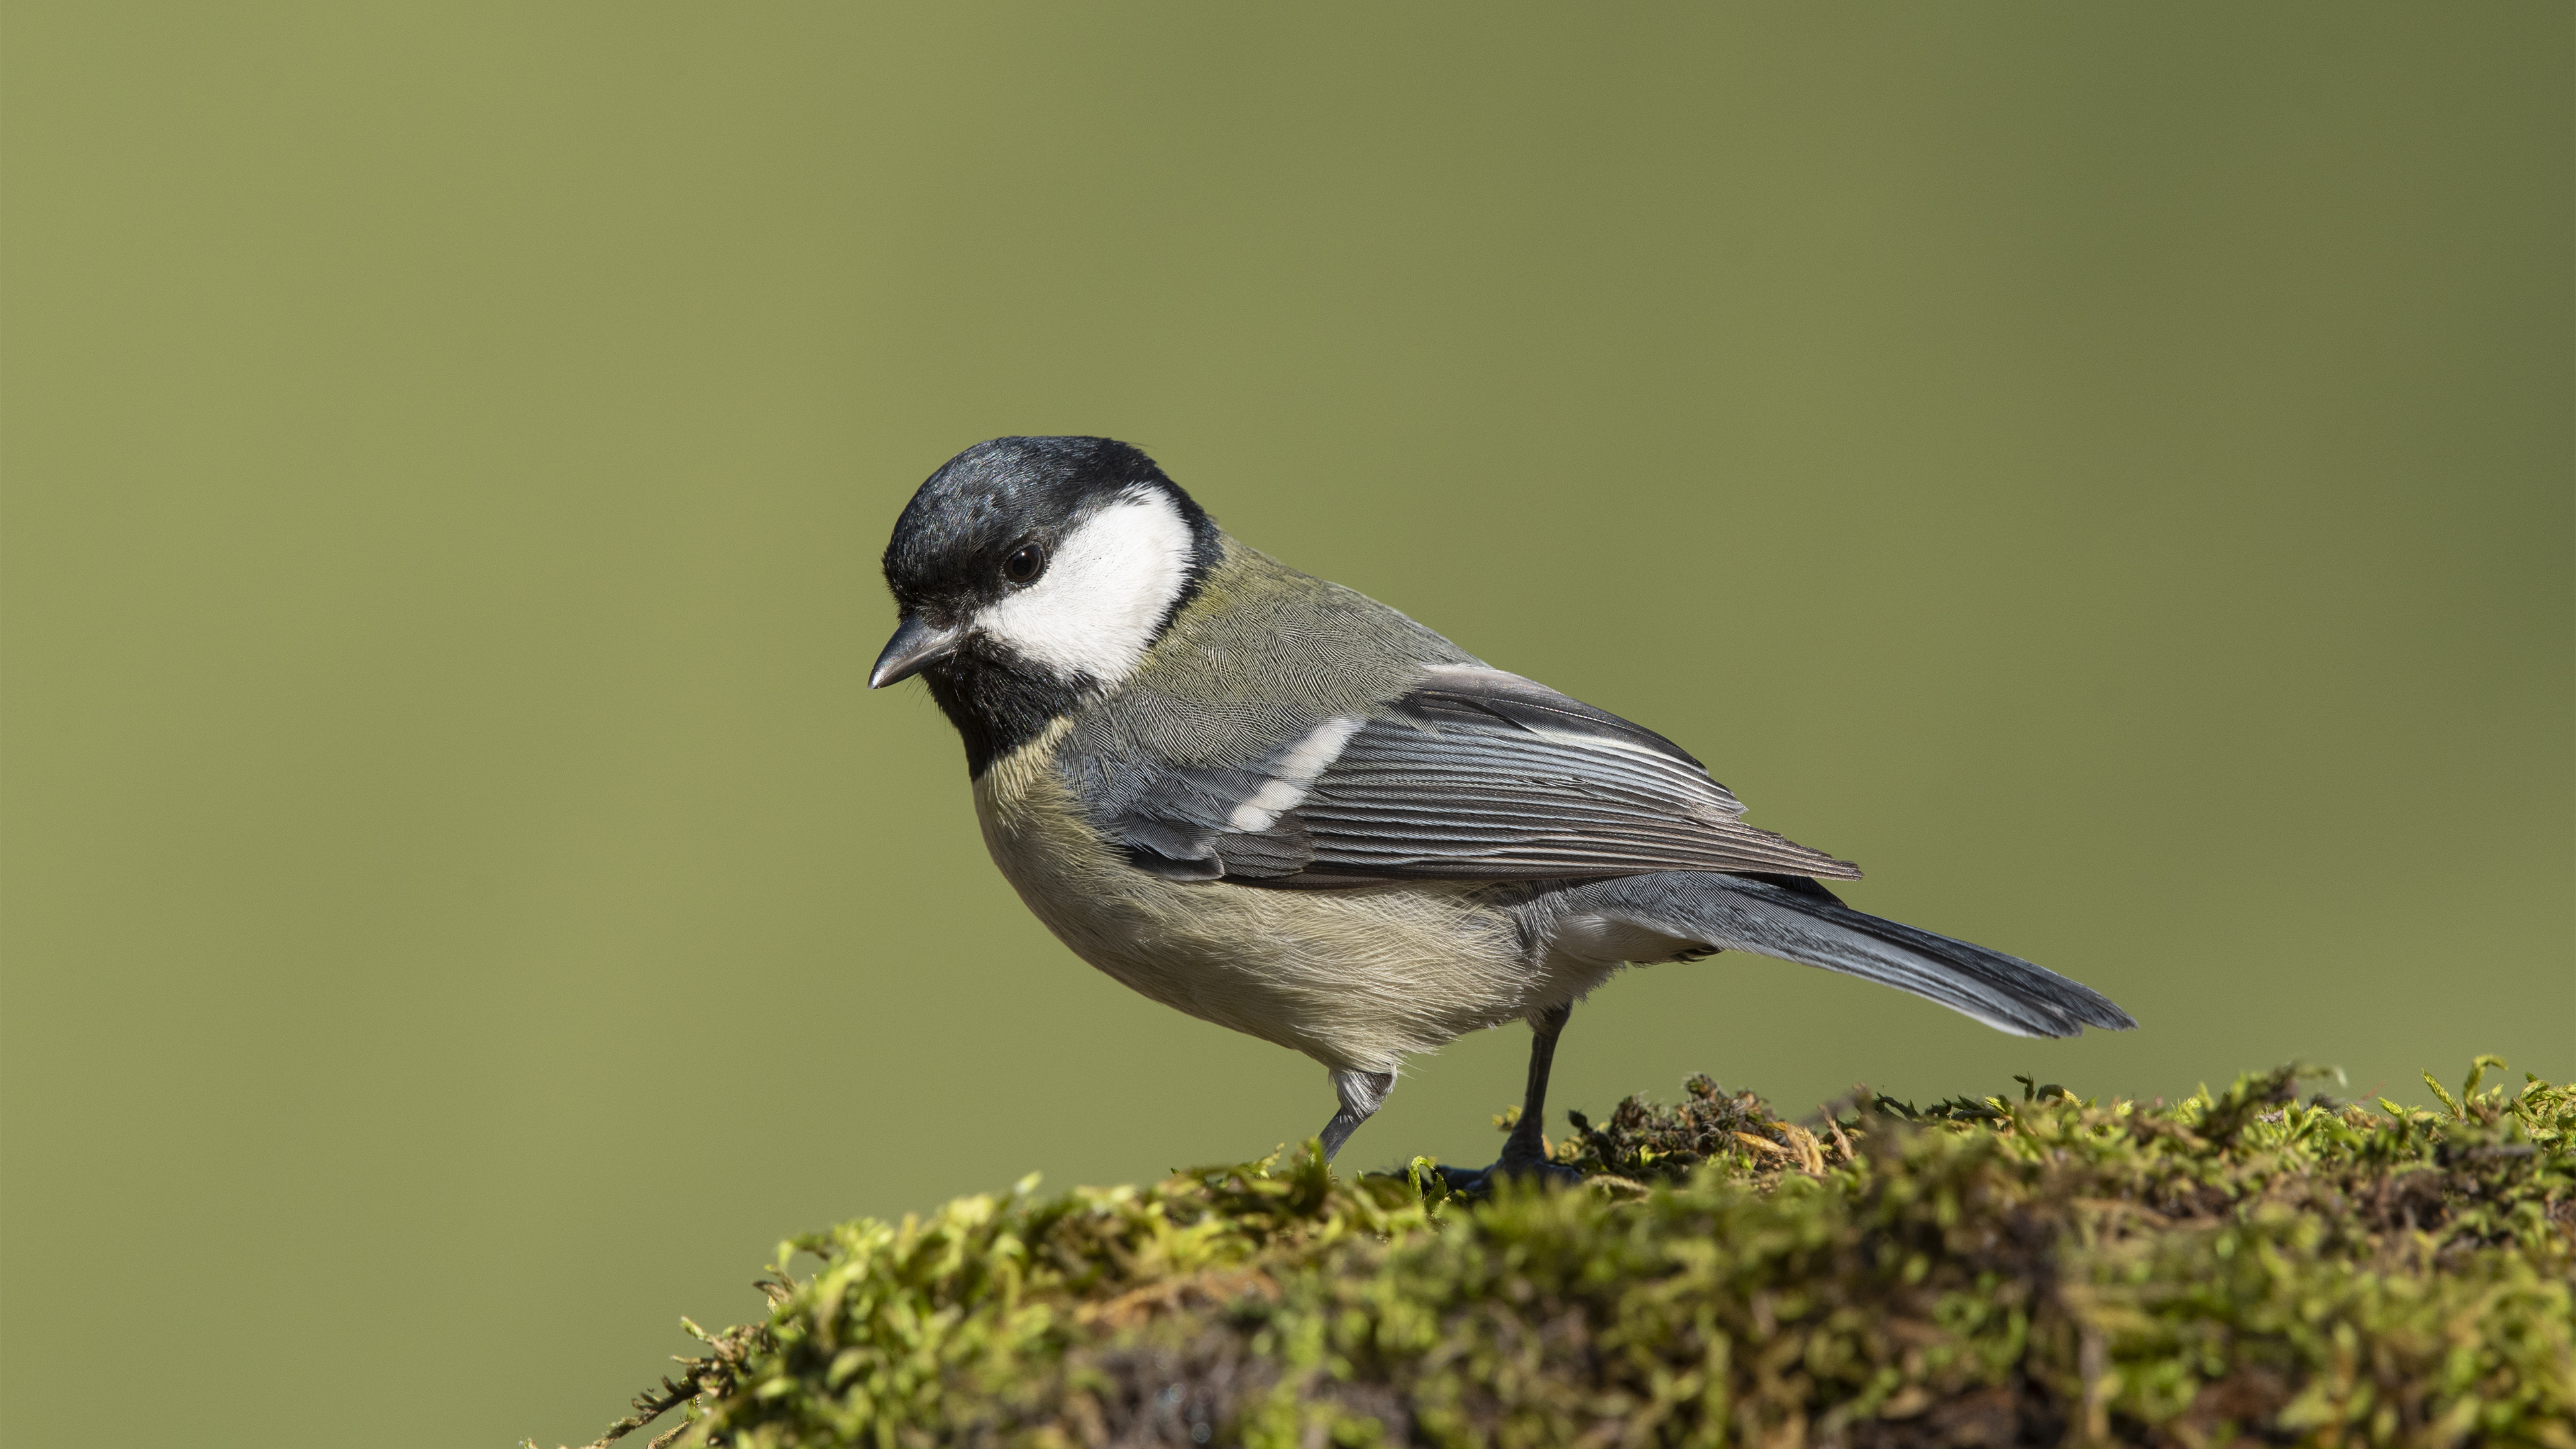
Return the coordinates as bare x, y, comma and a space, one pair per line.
713, 1374
649, 1406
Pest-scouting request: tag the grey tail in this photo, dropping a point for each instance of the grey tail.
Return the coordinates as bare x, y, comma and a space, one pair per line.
1795, 919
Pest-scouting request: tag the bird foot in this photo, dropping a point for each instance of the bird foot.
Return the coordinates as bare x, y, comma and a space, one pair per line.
1481, 1181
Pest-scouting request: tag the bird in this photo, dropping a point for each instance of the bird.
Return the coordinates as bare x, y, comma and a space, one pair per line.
1277, 805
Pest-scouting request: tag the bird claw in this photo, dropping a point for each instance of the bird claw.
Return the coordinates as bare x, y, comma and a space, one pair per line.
1481, 1181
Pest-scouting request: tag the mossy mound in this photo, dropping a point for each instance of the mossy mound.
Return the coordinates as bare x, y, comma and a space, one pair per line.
2027, 1268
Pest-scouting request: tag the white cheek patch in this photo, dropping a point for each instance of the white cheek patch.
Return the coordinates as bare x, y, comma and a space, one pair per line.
1096, 607
1294, 774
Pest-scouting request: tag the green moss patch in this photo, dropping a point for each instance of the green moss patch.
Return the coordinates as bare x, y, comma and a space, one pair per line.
2024, 1268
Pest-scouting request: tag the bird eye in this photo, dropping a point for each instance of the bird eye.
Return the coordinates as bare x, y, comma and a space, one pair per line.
1024, 566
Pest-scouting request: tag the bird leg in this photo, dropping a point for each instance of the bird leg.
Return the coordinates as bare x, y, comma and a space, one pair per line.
1522, 1154
1362, 1093
1522, 1151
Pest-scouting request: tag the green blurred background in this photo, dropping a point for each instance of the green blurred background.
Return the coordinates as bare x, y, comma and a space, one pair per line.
2107, 470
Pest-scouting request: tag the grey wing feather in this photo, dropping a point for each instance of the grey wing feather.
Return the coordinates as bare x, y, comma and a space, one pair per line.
1474, 775
1176, 826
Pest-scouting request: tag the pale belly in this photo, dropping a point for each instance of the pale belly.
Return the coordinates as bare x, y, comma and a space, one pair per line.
1357, 979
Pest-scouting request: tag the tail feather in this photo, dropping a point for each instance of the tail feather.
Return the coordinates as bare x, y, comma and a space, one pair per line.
1809, 925
2050, 1004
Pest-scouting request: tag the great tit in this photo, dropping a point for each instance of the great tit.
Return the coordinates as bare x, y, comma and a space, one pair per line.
1283, 807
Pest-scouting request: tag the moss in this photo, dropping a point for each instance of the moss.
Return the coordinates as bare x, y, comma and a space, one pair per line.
2023, 1268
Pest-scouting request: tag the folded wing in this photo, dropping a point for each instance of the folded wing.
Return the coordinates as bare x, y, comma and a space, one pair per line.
1474, 775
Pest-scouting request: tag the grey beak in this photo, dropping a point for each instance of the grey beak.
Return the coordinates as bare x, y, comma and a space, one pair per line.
913, 646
